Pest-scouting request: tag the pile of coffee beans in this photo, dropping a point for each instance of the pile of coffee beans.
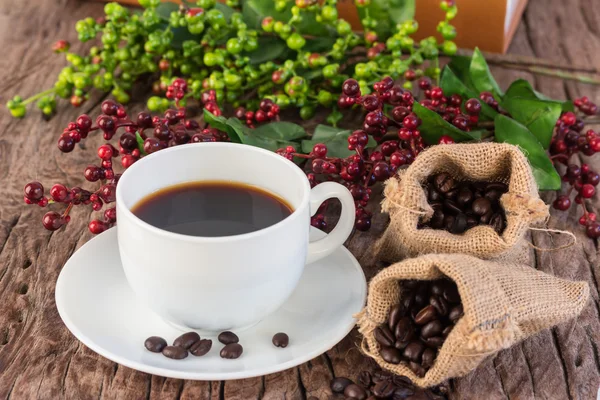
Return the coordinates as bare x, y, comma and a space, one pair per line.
418, 326
381, 384
192, 343
459, 206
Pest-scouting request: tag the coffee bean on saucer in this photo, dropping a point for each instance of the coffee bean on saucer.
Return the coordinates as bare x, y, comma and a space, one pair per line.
339, 384
390, 354
201, 347
186, 340
232, 351
175, 352
228, 337
155, 344
354, 391
281, 340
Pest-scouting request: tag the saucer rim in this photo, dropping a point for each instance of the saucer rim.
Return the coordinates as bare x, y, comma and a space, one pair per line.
199, 376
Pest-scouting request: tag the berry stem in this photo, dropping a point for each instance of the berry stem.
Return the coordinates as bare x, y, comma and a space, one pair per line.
38, 96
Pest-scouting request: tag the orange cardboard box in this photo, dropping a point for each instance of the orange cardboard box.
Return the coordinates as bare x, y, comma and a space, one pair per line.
487, 24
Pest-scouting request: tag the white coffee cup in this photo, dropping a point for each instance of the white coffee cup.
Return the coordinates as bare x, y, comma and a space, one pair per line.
221, 283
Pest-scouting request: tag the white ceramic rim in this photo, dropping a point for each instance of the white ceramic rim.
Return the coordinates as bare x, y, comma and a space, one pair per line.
320, 349
204, 239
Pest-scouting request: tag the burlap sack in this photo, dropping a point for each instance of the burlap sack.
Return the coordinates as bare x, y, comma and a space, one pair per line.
406, 202
503, 304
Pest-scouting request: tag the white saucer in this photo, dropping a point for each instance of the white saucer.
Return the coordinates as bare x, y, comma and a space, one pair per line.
96, 304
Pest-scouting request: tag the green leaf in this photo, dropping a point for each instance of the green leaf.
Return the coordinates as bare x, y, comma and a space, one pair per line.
251, 139
481, 76
452, 85
254, 11
433, 127
319, 44
225, 9
230, 126
510, 131
336, 140
165, 8
388, 13
539, 116
280, 131
269, 49
522, 88
140, 143
461, 65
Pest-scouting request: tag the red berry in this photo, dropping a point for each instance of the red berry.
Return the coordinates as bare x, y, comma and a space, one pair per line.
84, 122
319, 150
587, 191
411, 121
445, 139
127, 161
381, 170
109, 107
437, 93
371, 103
425, 83
562, 203
97, 226
460, 122
569, 118
59, 193
105, 152
363, 223
473, 107
52, 220
66, 143
351, 88
593, 230
34, 191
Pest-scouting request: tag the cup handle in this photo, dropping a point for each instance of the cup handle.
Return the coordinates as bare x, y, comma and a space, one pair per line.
327, 245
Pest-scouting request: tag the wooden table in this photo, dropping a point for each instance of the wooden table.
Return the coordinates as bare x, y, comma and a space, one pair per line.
39, 358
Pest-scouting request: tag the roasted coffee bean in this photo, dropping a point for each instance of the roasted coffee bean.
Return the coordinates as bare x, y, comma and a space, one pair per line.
408, 300
427, 314
471, 221
433, 328
381, 375
402, 381
486, 218
437, 219
448, 222
155, 344
390, 354
228, 337
456, 313
175, 352
414, 350
493, 195
459, 225
404, 330
443, 182
201, 347
384, 336
437, 287
401, 345
451, 207
186, 340
481, 206
365, 379
436, 341
231, 351
281, 340
411, 284
355, 392
403, 393
384, 389
417, 369
439, 304
451, 293
434, 195
464, 197
497, 223
421, 297
338, 385
428, 358
447, 330
396, 313
499, 186
451, 195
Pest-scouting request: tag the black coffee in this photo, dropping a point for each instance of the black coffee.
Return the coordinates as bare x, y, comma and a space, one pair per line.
212, 208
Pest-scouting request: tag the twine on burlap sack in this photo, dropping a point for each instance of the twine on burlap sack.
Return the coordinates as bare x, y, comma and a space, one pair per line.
407, 204
503, 304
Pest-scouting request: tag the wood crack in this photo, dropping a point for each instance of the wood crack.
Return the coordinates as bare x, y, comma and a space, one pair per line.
11, 226
562, 362
502, 385
587, 21
329, 364
595, 352
300, 384
261, 392
529, 371
64, 378
222, 391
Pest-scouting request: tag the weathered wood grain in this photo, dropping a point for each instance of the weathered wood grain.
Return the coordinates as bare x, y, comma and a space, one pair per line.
39, 358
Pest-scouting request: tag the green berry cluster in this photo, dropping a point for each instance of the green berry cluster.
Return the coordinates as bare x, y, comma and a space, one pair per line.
296, 53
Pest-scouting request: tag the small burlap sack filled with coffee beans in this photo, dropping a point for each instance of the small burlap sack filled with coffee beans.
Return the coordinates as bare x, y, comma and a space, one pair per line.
499, 305
407, 203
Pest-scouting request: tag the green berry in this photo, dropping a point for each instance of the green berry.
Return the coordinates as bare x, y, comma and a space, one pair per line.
343, 27
449, 48
393, 43
295, 11
212, 59
307, 112
448, 31
206, 4
451, 13
232, 80
409, 27
325, 98
407, 43
251, 44
330, 70
81, 80
280, 5
123, 54
196, 28
216, 18
329, 13
362, 70
18, 111
407, 85
234, 46
149, 3
295, 41
267, 24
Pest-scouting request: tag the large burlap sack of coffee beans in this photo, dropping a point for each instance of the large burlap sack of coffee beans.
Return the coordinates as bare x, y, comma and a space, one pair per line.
407, 202
439, 316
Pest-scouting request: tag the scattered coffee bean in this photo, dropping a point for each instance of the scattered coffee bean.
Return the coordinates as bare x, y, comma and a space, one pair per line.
201, 347
232, 351
390, 354
424, 316
384, 336
281, 340
355, 391
461, 206
175, 352
186, 340
384, 389
365, 379
338, 385
155, 344
228, 337
402, 393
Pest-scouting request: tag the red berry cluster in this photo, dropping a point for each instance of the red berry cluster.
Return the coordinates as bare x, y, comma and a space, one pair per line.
267, 111
209, 100
177, 89
143, 135
569, 140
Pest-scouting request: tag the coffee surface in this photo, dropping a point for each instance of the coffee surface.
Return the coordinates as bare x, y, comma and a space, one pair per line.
212, 209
